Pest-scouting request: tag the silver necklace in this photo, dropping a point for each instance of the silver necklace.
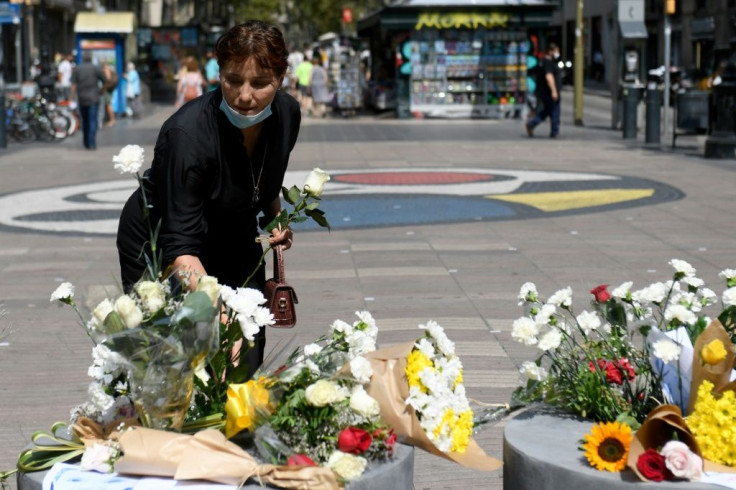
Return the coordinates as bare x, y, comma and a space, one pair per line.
257, 184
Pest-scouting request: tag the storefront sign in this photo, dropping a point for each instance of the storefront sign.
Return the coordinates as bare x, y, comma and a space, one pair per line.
457, 20
9, 13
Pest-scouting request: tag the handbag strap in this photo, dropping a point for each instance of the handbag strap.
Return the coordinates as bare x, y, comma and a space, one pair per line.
278, 264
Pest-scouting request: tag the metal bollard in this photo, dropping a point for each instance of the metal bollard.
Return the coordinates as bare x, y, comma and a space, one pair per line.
654, 105
631, 104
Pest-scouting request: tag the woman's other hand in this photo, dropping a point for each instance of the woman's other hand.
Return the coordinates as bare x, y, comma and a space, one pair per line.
281, 236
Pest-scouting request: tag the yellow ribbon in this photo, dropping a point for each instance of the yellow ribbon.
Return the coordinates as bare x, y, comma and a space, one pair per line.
245, 402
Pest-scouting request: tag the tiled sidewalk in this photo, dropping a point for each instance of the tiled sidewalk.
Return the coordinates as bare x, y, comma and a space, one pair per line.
465, 275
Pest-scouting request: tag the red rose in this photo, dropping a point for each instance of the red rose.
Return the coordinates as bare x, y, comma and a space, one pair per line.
354, 440
300, 460
601, 293
613, 374
652, 467
626, 366
601, 365
391, 439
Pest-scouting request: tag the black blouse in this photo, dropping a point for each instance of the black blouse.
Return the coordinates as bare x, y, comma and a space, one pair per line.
201, 186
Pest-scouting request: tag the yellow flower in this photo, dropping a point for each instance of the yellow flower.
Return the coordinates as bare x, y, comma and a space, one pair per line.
448, 420
713, 352
607, 446
458, 380
245, 402
415, 364
462, 431
712, 423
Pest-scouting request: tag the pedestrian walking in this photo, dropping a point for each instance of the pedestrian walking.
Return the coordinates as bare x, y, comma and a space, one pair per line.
107, 90
212, 71
132, 90
64, 71
219, 162
303, 72
191, 82
318, 88
548, 87
87, 79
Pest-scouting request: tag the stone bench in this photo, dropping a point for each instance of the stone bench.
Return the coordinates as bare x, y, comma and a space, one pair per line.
540, 451
397, 474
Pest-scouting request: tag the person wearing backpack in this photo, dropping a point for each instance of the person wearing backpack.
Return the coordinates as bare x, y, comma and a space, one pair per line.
191, 83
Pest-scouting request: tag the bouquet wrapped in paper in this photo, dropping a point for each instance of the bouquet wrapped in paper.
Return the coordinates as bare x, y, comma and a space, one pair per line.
419, 389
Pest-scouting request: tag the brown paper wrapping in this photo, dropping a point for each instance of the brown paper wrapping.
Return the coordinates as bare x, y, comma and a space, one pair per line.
656, 430
207, 455
390, 388
718, 374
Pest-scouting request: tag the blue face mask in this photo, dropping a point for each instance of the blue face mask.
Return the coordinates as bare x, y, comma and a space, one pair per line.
241, 121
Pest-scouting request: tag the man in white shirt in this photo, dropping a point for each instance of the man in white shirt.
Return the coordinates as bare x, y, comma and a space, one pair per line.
65, 76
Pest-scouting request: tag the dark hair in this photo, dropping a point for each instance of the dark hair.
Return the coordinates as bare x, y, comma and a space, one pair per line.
254, 39
191, 64
552, 46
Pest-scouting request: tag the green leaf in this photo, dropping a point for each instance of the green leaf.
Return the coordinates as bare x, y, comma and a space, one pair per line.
318, 216
294, 194
113, 323
196, 307
312, 205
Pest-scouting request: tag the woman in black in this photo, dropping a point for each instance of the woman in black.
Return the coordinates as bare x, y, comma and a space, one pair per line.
218, 162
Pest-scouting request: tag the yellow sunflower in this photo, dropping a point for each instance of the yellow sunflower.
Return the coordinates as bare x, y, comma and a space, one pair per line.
607, 446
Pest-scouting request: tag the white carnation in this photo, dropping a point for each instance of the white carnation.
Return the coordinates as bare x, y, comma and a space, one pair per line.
341, 327
729, 297
727, 274
361, 369
666, 350
129, 160
312, 349
97, 396
680, 313
528, 292
249, 327
654, 293
563, 297
532, 371
550, 340
444, 344
707, 296
588, 321
543, 315
243, 301
524, 330
682, 267
623, 291
64, 293
263, 316
98, 457
693, 282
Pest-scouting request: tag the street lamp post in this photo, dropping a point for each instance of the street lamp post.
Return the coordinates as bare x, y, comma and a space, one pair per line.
578, 68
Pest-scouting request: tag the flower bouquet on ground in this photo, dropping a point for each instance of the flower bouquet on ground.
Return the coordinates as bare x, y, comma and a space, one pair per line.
420, 391
314, 409
651, 355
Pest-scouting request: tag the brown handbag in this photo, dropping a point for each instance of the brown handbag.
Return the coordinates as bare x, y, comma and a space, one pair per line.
280, 296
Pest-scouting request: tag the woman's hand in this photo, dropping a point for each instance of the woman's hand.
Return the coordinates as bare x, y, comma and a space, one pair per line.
281, 236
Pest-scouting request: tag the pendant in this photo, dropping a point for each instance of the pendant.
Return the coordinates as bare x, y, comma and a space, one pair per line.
255, 196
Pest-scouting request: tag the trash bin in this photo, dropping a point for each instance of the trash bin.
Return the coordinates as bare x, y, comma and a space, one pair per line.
631, 94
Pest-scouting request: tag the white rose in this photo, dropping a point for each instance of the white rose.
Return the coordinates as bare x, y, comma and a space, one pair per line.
152, 295
666, 350
347, 466
98, 457
129, 160
729, 297
361, 369
129, 313
324, 392
524, 330
532, 371
314, 184
102, 310
64, 293
364, 404
210, 286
